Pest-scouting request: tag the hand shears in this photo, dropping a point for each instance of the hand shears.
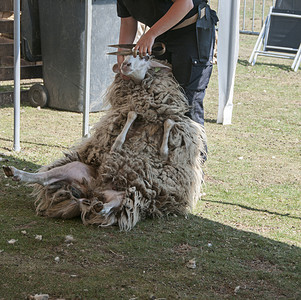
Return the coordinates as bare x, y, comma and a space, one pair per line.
127, 49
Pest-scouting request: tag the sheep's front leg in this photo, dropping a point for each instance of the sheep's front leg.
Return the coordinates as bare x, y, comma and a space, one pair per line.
121, 137
113, 201
103, 212
168, 124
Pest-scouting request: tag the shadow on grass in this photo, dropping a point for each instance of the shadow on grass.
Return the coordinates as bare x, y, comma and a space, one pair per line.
254, 209
18, 163
38, 144
210, 121
245, 63
152, 259
171, 257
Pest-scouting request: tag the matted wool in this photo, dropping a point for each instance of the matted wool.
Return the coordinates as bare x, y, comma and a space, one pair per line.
153, 187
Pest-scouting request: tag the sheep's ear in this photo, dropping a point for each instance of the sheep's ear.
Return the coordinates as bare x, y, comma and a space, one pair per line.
116, 69
156, 64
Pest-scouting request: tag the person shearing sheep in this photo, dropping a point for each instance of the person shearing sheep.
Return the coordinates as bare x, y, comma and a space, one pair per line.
187, 28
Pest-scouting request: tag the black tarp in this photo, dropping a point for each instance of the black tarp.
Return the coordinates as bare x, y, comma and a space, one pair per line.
285, 31
294, 5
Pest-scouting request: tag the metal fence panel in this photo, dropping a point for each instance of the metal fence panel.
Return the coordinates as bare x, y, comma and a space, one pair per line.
252, 14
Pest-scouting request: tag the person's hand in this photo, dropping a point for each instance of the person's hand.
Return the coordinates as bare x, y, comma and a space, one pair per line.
120, 59
144, 45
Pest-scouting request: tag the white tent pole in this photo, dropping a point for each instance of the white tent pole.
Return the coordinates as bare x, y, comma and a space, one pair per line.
17, 76
86, 104
227, 55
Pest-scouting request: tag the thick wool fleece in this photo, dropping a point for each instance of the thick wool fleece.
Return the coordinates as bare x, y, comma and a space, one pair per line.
153, 187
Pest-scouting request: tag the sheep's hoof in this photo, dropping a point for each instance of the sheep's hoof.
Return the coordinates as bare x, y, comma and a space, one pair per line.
55, 186
164, 154
98, 207
9, 172
86, 202
76, 192
106, 209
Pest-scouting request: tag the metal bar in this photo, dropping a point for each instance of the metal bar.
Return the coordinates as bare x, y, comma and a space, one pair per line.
252, 59
285, 15
298, 63
268, 23
262, 12
253, 16
244, 16
297, 60
282, 48
265, 53
252, 31
249, 32
88, 31
17, 64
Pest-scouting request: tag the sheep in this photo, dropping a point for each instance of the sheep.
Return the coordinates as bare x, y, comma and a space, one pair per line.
144, 158
136, 67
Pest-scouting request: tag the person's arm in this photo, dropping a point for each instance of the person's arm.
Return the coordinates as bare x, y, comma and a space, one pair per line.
175, 14
128, 29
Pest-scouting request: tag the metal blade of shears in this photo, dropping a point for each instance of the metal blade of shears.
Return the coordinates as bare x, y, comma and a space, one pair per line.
121, 52
123, 48
127, 49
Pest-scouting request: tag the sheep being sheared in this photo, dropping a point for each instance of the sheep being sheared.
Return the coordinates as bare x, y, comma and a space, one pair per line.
144, 158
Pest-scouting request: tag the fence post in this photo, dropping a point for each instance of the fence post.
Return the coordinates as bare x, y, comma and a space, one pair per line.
244, 15
17, 75
262, 12
86, 106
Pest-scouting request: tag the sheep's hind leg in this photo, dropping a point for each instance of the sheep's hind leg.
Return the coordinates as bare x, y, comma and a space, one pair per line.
74, 171
19, 175
168, 124
113, 201
122, 136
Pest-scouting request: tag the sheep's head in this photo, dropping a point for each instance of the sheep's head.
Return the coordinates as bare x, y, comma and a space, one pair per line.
136, 67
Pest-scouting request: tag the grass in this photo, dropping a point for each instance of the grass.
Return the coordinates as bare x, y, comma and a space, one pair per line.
244, 235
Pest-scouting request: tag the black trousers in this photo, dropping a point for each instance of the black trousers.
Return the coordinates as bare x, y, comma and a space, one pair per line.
190, 51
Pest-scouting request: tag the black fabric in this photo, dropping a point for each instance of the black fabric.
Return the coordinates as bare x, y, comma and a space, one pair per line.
149, 11
294, 5
284, 32
204, 28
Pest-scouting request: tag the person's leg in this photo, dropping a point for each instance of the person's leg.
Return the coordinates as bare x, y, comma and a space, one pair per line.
196, 88
192, 73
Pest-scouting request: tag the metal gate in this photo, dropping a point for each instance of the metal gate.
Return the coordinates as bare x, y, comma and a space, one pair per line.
252, 14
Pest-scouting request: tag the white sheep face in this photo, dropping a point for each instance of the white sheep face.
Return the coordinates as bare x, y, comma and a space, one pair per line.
136, 67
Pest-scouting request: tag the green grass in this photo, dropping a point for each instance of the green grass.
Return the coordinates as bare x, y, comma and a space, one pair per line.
244, 232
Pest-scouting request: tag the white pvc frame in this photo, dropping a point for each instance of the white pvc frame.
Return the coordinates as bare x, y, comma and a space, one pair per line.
262, 41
